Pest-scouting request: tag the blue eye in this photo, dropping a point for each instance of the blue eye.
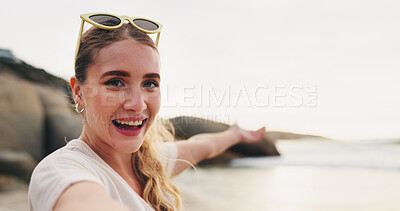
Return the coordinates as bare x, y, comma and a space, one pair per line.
150, 84
115, 82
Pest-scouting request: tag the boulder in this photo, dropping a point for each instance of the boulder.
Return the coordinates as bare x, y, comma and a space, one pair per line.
62, 124
17, 162
21, 117
36, 116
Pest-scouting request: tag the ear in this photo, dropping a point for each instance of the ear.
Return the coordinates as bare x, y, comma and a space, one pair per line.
75, 87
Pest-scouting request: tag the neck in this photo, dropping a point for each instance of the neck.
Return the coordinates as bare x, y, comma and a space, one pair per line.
120, 162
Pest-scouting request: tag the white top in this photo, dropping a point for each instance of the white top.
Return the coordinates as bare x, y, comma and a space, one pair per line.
76, 162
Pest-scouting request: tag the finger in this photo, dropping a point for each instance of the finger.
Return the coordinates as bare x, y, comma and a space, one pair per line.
260, 132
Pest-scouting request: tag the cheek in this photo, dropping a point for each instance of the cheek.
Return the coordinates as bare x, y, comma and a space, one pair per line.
109, 99
155, 104
101, 106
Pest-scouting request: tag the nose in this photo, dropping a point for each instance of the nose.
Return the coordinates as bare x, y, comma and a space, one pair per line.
135, 101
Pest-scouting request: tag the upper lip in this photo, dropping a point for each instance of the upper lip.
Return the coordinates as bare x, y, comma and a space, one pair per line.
131, 118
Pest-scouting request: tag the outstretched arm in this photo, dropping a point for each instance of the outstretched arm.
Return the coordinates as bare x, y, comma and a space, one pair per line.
209, 145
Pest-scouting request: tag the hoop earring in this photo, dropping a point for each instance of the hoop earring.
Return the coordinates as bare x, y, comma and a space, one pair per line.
78, 108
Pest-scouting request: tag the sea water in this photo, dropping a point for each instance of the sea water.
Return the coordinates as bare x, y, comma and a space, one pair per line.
309, 175
373, 154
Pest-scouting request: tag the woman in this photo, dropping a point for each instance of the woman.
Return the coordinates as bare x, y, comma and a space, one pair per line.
120, 162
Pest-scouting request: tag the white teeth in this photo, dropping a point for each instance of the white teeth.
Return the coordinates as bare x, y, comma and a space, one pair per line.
131, 123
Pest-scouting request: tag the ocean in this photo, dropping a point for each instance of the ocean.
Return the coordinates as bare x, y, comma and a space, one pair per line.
309, 175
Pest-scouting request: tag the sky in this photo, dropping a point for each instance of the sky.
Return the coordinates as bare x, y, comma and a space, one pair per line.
321, 67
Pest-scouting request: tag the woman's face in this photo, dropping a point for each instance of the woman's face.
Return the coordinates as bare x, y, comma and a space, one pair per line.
121, 95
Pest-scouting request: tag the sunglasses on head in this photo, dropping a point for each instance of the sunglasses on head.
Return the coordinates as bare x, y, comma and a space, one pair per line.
110, 21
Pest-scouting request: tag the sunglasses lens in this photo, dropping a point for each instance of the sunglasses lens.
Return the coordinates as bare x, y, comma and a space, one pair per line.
145, 24
105, 20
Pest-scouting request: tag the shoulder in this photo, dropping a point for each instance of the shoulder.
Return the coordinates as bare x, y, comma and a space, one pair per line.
57, 171
72, 157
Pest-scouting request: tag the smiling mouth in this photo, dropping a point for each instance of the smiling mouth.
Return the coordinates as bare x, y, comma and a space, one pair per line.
129, 125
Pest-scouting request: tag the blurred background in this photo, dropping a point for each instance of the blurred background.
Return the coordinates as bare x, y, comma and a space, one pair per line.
326, 68
347, 50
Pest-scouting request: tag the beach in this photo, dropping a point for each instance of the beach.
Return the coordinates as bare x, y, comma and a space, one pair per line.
308, 176
290, 189
278, 188
303, 69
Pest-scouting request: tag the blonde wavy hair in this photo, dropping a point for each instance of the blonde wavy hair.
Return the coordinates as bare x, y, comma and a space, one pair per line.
150, 172
159, 191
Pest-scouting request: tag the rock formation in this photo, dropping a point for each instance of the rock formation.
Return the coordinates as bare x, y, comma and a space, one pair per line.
35, 116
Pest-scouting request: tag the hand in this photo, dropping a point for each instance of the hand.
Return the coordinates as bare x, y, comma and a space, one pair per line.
248, 136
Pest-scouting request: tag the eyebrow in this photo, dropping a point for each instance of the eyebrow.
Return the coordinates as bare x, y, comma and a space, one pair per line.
152, 75
115, 73
127, 74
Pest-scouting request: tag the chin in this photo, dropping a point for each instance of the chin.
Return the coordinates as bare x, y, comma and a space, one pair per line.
127, 146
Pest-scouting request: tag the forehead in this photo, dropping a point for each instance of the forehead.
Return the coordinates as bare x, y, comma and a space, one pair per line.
128, 55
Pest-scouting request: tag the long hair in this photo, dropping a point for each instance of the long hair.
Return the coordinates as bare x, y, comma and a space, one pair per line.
158, 190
